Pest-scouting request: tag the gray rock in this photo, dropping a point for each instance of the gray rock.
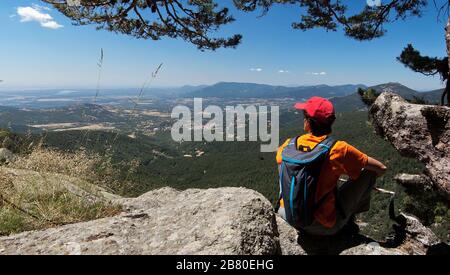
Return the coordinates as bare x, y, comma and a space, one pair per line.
372, 248
230, 221
417, 131
216, 221
414, 181
418, 238
289, 239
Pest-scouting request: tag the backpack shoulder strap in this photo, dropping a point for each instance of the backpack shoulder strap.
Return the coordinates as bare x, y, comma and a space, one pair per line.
292, 145
328, 143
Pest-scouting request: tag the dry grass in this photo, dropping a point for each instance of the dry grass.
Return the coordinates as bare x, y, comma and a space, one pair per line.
89, 167
36, 194
43, 160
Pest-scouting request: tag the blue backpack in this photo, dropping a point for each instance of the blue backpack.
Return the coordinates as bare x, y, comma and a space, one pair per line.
299, 174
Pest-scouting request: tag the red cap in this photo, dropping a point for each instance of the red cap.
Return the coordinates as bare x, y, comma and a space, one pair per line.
319, 109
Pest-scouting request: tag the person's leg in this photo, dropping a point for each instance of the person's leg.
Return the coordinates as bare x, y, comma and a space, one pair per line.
354, 196
314, 229
317, 229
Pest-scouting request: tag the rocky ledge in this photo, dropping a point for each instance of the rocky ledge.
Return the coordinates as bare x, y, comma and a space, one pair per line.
216, 221
232, 221
417, 131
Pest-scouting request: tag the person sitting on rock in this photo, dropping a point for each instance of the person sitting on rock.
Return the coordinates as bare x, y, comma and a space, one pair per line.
313, 199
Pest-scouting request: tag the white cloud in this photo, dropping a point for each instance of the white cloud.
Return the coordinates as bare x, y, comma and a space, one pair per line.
34, 13
51, 25
319, 73
28, 14
283, 71
256, 69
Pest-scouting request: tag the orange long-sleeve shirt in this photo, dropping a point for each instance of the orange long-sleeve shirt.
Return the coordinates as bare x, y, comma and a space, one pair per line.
344, 159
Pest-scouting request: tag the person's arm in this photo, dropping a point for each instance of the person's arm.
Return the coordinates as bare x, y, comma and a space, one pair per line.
376, 166
280, 151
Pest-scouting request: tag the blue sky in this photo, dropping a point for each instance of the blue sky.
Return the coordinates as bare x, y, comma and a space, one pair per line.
55, 54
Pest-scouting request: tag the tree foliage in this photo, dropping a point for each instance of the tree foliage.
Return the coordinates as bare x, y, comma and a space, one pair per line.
194, 21
368, 96
364, 24
426, 65
429, 66
418, 100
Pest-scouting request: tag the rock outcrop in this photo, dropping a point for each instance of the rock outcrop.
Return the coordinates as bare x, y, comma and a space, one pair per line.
410, 238
417, 131
216, 221
289, 239
230, 221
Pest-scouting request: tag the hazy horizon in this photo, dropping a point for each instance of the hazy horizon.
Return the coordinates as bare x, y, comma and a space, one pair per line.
25, 89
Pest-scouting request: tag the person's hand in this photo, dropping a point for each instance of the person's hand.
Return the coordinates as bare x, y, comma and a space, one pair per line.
376, 166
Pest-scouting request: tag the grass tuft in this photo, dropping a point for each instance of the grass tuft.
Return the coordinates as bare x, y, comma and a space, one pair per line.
35, 192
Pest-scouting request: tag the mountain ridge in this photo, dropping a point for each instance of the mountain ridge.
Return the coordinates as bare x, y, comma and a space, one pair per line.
353, 101
345, 97
253, 90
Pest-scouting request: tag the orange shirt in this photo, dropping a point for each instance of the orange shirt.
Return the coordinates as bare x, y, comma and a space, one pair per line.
344, 159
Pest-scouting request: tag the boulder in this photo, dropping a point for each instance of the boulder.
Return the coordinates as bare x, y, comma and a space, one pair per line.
414, 237
217, 221
417, 131
372, 248
289, 239
223, 221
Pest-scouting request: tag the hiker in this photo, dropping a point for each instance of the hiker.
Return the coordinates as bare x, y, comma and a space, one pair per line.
312, 197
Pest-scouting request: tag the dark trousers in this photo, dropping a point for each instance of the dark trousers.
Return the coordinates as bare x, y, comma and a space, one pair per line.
352, 197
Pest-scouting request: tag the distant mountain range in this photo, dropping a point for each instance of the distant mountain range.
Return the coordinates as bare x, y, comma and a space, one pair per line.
344, 97
407, 93
353, 102
251, 90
